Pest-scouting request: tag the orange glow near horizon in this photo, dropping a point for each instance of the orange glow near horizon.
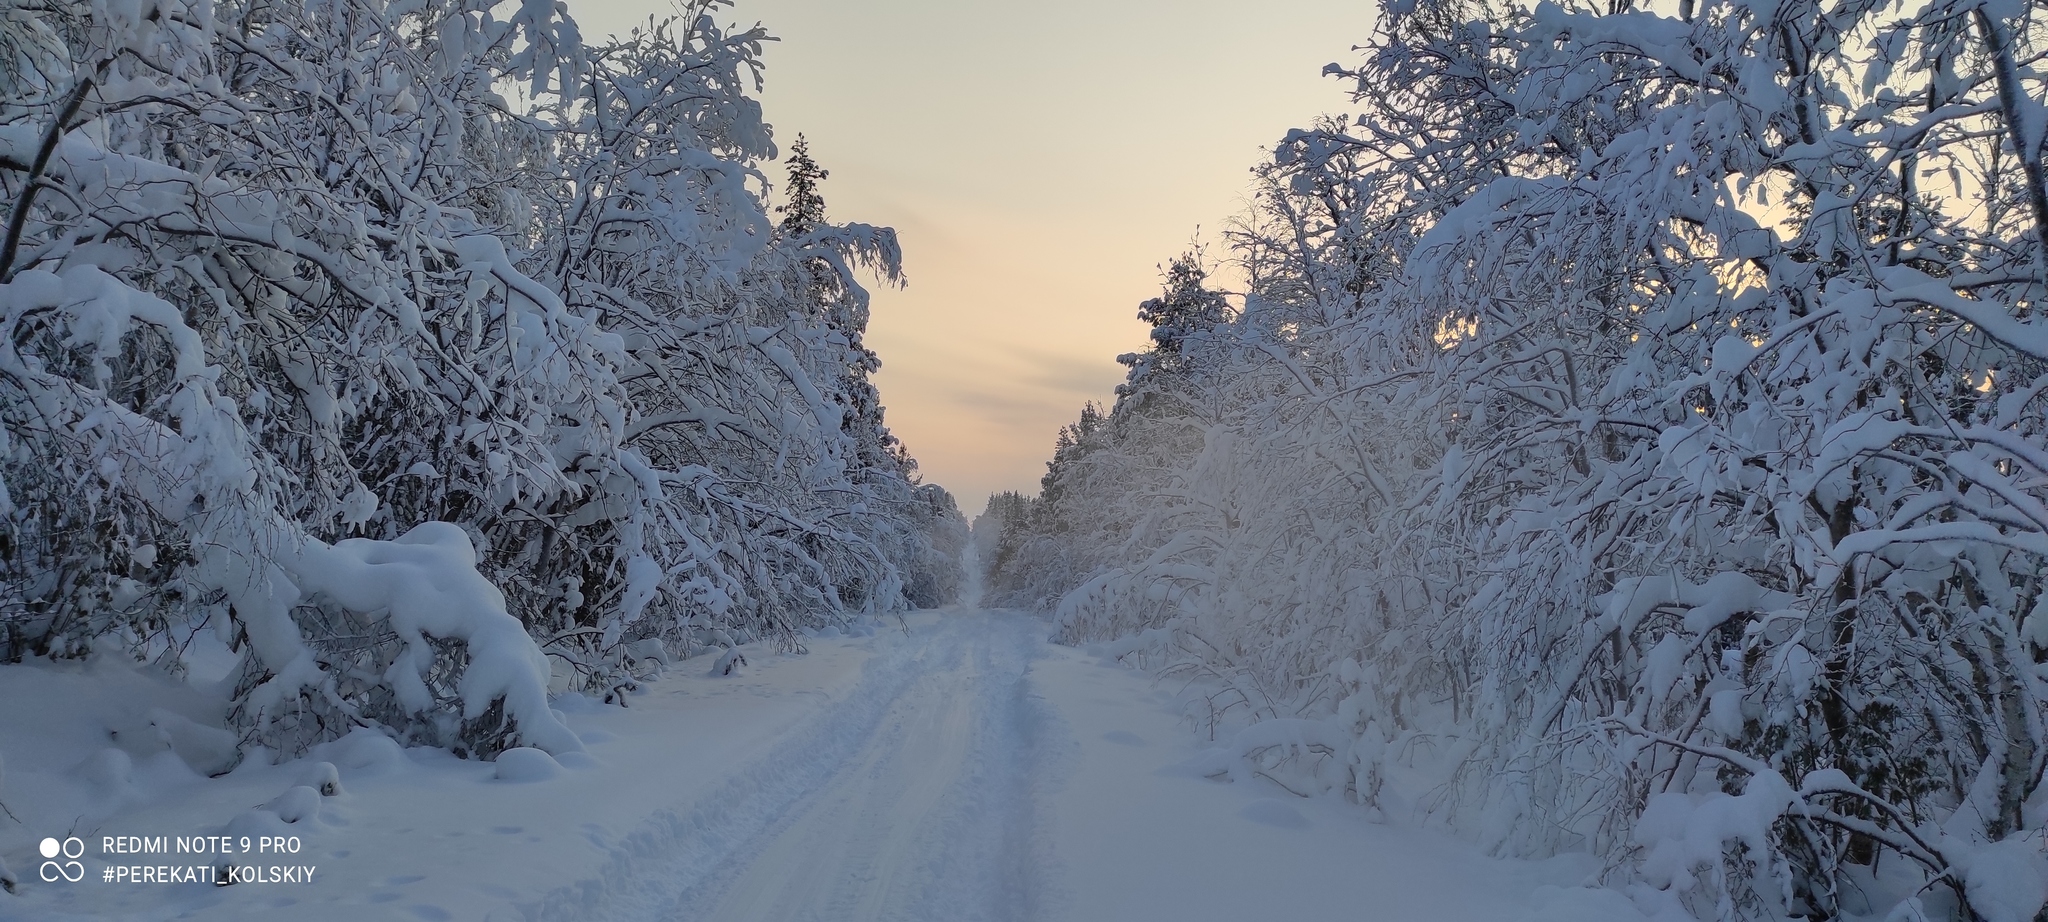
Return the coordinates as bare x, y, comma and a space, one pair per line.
1039, 162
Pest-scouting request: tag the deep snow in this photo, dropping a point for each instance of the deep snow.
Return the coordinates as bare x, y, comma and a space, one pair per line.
960, 768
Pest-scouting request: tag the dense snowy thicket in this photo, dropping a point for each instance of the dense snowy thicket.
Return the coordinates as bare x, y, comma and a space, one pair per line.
1638, 418
411, 344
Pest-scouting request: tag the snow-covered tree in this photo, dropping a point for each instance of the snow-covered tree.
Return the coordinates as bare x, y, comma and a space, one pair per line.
1640, 412
408, 388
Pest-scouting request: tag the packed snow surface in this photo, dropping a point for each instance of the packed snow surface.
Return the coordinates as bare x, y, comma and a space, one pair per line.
957, 768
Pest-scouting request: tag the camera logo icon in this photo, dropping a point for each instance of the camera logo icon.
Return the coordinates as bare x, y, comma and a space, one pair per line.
54, 870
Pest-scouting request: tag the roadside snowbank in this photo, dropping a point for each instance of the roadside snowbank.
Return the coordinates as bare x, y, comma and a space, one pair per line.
105, 749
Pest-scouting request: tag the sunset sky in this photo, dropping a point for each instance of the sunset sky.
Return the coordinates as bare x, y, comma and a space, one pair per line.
1040, 162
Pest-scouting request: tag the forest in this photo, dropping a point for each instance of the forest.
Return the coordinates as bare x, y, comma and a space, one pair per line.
433, 358
1624, 434
1629, 440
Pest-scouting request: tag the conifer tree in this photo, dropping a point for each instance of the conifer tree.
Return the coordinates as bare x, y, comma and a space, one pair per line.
806, 207
1186, 308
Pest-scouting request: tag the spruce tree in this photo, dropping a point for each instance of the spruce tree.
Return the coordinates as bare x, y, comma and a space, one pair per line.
1186, 308
806, 208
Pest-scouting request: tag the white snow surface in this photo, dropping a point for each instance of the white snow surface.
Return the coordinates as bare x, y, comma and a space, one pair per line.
958, 768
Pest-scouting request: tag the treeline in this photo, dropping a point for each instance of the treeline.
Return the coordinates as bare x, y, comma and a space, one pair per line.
1631, 441
422, 350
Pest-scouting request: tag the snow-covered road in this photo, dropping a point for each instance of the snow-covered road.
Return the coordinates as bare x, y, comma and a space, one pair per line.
928, 817
961, 769
1007, 778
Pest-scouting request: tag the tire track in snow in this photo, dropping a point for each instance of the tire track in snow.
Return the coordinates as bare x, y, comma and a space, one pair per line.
857, 847
930, 820
999, 862
908, 799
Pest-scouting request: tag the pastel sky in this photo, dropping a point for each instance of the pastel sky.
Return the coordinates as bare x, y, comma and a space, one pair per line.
1040, 161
